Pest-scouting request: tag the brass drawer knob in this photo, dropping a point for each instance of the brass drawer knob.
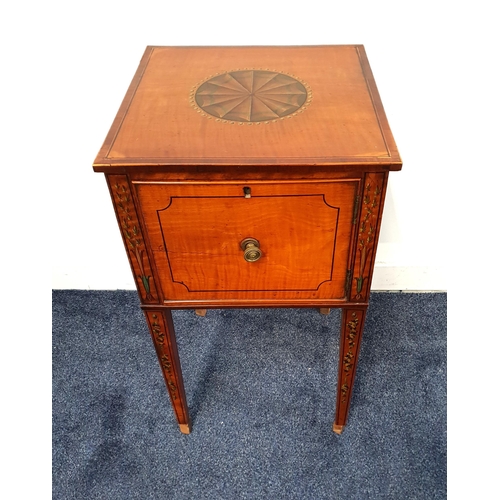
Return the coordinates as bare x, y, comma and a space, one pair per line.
251, 250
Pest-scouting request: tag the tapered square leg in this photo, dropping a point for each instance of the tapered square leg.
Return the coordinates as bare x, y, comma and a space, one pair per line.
353, 320
162, 332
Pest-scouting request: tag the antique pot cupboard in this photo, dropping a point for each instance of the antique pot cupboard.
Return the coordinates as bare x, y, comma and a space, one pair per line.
250, 177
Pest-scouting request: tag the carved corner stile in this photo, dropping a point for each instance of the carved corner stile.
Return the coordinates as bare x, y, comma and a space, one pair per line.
130, 228
371, 204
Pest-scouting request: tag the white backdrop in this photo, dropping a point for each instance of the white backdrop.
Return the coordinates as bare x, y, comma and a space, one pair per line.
72, 63
94, 61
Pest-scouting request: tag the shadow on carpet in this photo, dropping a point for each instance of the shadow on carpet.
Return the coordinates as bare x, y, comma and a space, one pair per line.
261, 387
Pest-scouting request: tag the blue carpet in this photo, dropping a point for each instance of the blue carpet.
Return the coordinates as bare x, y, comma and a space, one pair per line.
261, 387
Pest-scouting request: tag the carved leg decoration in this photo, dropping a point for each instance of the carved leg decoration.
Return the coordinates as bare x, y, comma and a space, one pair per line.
350, 341
162, 332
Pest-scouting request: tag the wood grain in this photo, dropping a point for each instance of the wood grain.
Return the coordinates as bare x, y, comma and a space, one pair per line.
162, 332
289, 146
353, 320
344, 121
303, 228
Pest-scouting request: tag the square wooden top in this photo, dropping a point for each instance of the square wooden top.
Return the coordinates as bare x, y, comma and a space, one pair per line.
306, 105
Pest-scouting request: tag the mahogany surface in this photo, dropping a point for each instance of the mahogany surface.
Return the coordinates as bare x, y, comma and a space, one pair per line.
251, 177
